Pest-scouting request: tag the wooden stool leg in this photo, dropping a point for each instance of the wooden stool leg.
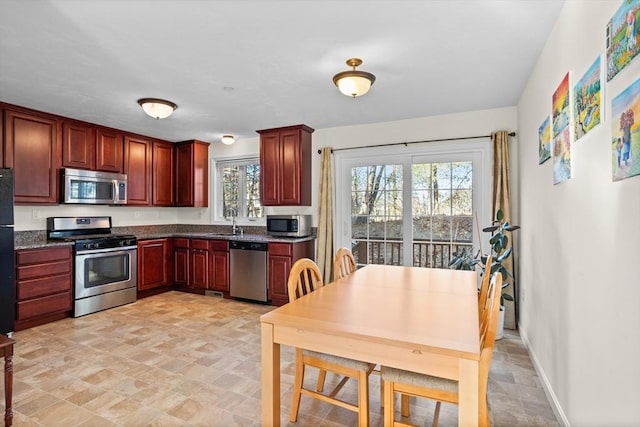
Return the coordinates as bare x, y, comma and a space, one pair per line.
8, 385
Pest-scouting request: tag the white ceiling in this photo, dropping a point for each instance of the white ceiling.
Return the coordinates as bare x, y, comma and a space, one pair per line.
92, 60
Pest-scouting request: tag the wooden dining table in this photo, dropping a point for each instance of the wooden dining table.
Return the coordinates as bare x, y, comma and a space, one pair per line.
417, 319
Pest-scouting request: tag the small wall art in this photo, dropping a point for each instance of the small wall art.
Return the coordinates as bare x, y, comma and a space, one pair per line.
561, 125
625, 141
587, 95
544, 141
622, 37
562, 156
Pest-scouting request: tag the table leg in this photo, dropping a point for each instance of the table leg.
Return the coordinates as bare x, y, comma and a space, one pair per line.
8, 384
468, 392
270, 378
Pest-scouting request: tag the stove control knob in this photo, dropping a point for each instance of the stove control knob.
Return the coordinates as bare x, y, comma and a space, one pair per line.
91, 245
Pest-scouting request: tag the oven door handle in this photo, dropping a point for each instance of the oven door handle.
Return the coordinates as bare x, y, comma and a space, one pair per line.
102, 251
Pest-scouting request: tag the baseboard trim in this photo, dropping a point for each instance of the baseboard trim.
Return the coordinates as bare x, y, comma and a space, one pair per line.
546, 385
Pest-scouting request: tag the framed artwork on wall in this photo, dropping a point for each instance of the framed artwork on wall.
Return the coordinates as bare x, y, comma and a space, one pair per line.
562, 156
625, 141
622, 37
561, 106
561, 125
587, 100
544, 141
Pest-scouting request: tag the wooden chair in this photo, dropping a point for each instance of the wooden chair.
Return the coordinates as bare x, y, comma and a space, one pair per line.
343, 264
442, 389
484, 288
304, 278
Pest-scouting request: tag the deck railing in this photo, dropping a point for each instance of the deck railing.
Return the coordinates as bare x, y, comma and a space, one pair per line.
433, 254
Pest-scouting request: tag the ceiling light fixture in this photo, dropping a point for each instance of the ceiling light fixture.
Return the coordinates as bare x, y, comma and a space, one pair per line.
157, 108
228, 139
353, 82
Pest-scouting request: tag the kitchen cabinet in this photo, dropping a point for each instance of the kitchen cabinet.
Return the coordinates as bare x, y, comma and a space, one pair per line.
78, 145
162, 184
192, 173
281, 256
109, 150
219, 265
155, 259
31, 148
181, 261
44, 285
285, 166
199, 264
138, 163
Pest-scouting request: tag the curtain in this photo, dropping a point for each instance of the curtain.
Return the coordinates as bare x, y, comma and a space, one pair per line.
502, 201
324, 244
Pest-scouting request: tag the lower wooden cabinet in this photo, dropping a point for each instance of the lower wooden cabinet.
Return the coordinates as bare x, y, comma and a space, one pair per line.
199, 264
181, 261
219, 265
155, 261
44, 285
281, 256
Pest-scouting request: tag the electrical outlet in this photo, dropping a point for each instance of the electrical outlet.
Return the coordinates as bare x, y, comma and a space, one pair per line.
35, 214
136, 214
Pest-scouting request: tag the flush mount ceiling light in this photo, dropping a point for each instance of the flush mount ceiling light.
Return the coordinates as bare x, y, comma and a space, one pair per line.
157, 108
228, 139
353, 82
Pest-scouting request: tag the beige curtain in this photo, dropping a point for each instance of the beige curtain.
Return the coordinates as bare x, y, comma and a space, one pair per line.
324, 244
502, 200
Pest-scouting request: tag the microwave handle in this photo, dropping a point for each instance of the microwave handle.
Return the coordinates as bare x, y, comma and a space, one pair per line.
115, 191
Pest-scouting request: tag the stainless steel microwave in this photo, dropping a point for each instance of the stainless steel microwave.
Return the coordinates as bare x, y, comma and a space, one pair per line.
92, 187
289, 225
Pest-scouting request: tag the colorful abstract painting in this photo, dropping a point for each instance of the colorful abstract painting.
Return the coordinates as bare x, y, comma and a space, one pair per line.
561, 107
622, 37
544, 141
587, 95
625, 143
562, 156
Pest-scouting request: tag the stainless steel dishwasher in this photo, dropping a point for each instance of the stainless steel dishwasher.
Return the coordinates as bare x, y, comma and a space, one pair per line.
248, 270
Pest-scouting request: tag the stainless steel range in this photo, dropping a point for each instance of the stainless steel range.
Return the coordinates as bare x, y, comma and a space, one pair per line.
105, 263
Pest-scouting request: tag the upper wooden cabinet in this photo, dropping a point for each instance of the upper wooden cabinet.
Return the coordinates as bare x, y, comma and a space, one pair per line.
192, 173
137, 165
109, 151
285, 166
78, 145
31, 148
163, 194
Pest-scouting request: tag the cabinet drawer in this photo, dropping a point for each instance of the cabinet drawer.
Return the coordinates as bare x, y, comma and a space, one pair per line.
280, 249
180, 242
35, 256
45, 305
43, 286
45, 269
219, 245
200, 244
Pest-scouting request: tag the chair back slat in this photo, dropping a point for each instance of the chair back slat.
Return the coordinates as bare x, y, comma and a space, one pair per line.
304, 278
484, 287
343, 264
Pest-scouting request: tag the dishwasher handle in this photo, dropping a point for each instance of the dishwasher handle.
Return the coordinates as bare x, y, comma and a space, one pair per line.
248, 246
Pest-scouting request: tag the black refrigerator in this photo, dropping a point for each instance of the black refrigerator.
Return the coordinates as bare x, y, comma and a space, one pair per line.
7, 257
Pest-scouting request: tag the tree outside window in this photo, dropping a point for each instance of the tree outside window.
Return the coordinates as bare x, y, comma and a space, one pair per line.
239, 186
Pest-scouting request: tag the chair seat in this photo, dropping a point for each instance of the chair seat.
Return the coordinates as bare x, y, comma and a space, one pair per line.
349, 363
419, 380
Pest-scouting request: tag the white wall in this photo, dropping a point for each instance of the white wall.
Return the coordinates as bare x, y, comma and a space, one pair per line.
578, 243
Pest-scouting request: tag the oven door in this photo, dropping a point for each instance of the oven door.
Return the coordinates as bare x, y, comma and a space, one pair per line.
105, 270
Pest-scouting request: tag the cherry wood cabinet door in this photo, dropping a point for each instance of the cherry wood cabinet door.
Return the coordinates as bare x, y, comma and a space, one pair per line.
219, 265
78, 145
163, 194
181, 266
154, 261
32, 149
109, 151
285, 166
192, 174
137, 165
199, 271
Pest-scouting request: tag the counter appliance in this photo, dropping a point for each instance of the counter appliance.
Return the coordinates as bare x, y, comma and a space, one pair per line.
289, 225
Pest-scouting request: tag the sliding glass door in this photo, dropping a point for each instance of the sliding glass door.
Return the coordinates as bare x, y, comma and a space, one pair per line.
413, 209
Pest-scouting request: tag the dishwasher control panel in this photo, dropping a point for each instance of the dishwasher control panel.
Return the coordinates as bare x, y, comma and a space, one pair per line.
249, 246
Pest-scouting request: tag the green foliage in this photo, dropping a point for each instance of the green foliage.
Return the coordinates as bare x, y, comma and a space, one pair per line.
501, 250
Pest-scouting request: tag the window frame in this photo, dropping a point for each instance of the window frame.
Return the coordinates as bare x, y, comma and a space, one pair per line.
478, 151
216, 186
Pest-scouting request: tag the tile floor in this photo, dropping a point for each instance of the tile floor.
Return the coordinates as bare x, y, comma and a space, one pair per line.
178, 359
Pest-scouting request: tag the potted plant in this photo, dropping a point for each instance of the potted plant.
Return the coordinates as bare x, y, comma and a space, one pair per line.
501, 249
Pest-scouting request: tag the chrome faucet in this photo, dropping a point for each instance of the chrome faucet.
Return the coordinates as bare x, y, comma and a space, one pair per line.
234, 227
